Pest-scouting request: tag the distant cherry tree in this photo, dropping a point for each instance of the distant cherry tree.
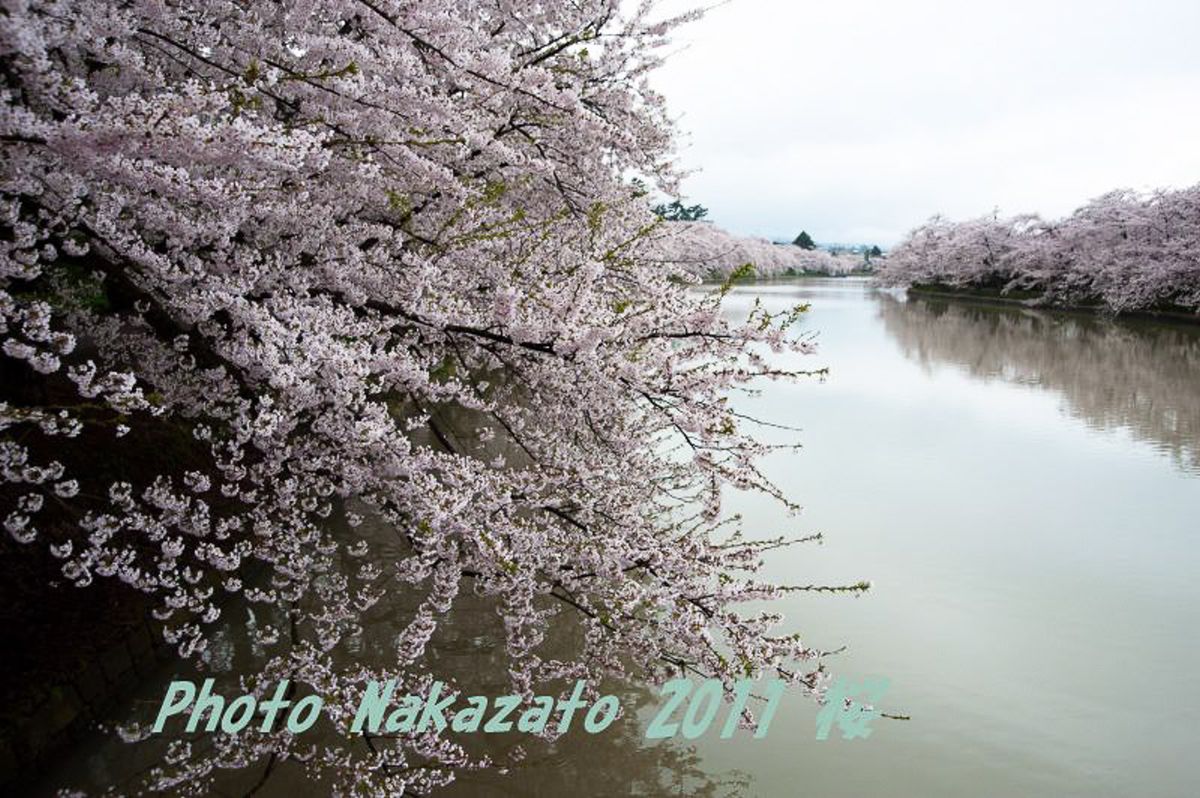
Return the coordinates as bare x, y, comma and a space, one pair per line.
294, 234
1125, 251
711, 252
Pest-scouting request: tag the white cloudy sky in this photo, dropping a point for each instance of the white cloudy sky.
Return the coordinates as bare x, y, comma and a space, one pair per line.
858, 119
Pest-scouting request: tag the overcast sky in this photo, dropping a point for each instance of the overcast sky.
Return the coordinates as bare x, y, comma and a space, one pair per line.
859, 119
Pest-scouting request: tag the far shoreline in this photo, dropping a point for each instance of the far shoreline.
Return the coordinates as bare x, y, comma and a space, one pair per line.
993, 296
986, 296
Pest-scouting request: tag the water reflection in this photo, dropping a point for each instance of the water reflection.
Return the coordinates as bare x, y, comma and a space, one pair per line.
1025, 629
468, 651
1140, 376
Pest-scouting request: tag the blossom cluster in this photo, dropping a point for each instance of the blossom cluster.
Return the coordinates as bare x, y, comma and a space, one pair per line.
711, 252
1124, 251
290, 265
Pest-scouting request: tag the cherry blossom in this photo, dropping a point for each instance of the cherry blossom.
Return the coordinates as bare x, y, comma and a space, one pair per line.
709, 251
1123, 251
377, 259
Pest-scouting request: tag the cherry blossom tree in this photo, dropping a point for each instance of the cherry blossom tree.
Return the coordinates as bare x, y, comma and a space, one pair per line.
290, 237
1123, 251
710, 252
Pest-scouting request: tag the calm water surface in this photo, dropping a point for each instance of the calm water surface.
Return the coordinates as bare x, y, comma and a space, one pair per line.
1022, 488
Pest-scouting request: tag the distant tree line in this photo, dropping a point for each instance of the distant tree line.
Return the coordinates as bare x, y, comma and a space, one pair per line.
804, 257
1124, 251
676, 211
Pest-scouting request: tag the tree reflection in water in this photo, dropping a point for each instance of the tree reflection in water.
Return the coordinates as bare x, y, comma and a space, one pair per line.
468, 647
1142, 376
